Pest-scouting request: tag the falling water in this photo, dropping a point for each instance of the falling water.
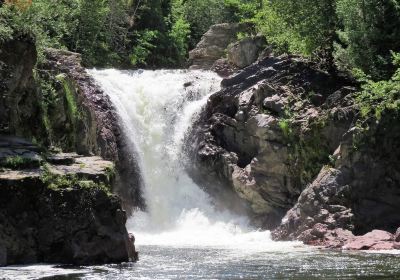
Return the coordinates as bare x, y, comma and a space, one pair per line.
157, 108
182, 236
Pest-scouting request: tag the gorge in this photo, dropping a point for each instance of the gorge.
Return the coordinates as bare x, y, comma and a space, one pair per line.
184, 232
247, 157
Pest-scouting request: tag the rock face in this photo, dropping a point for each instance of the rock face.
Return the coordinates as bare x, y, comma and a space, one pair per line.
246, 51
360, 194
267, 134
61, 212
213, 45
90, 121
63, 108
19, 107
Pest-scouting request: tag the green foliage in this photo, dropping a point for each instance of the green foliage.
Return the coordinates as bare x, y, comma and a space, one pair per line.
18, 162
299, 26
370, 31
180, 30
61, 182
285, 126
379, 98
143, 47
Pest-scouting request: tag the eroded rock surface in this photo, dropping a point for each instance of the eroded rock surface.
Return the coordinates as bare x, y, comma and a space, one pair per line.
246, 51
19, 105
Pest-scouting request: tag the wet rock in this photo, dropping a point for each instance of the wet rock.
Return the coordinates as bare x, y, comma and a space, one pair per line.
224, 68
61, 213
19, 102
62, 158
133, 254
375, 240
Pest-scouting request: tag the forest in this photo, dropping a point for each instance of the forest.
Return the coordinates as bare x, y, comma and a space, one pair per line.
349, 34
358, 37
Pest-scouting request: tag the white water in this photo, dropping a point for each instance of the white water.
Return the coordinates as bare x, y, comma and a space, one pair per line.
157, 109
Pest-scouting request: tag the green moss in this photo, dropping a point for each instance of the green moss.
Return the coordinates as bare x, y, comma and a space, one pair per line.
110, 173
285, 126
68, 182
69, 91
308, 150
18, 162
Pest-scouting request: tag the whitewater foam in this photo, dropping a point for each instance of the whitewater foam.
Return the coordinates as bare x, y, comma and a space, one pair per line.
157, 108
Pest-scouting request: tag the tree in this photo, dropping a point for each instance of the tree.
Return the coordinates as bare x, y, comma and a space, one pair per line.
304, 27
371, 30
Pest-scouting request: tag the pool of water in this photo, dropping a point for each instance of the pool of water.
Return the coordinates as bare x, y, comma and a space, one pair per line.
157, 262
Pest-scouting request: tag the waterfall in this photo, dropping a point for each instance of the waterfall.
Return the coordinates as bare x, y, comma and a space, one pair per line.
157, 108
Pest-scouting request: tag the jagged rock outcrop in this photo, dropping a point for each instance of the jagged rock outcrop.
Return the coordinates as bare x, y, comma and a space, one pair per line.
268, 132
83, 113
58, 208
220, 50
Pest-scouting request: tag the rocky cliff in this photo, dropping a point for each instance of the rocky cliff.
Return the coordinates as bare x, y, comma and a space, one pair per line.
81, 118
268, 132
19, 105
282, 135
60, 106
58, 207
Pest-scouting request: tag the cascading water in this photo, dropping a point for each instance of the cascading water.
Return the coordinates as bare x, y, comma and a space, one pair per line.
182, 236
157, 108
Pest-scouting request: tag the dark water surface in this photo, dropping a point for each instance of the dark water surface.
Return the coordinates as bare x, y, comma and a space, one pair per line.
210, 263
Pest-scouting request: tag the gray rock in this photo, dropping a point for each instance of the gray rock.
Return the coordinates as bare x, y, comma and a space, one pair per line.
274, 104
213, 44
246, 51
239, 143
97, 131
